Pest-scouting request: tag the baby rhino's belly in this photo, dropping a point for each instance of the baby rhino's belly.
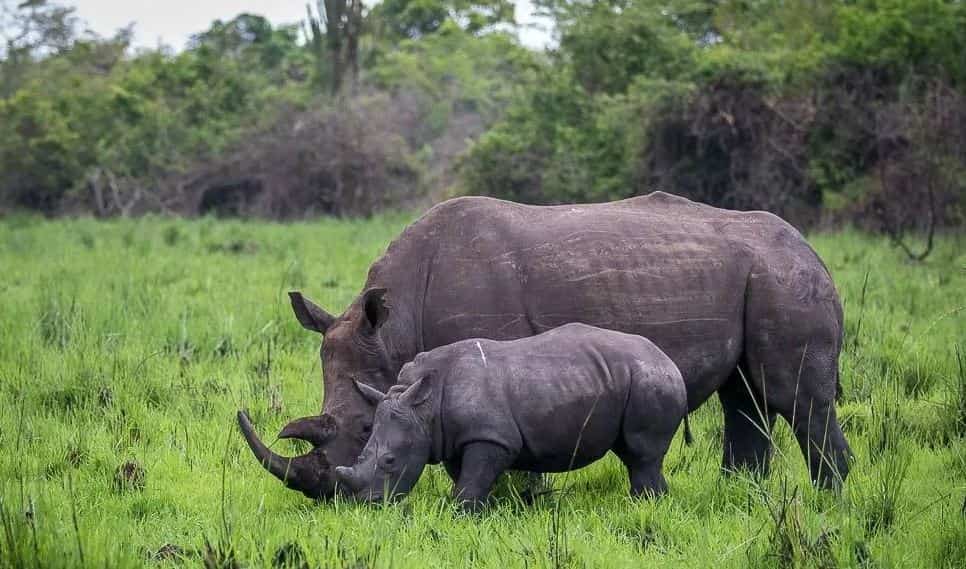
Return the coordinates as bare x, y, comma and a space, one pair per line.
571, 436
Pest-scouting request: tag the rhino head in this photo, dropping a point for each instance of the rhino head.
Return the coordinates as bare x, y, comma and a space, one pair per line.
352, 350
400, 445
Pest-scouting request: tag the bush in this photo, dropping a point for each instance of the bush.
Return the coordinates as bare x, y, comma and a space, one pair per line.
350, 159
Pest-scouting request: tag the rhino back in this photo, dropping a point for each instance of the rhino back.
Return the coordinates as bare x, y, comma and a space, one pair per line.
557, 398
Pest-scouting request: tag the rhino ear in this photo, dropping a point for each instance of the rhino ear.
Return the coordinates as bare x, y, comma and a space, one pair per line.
418, 392
374, 308
371, 394
311, 316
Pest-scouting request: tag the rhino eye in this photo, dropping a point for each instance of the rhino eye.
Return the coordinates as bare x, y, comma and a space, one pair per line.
388, 460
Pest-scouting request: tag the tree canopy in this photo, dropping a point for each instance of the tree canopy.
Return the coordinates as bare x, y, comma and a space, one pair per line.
808, 108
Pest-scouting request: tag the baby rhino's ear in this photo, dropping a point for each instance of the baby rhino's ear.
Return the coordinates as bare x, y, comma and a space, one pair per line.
419, 392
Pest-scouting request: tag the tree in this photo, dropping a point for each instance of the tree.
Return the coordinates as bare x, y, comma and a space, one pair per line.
252, 41
31, 26
336, 50
31, 29
417, 18
799, 107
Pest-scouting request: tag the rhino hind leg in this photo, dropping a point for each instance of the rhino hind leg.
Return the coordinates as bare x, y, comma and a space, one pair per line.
643, 456
642, 451
651, 418
801, 385
647, 480
823, 444
747, 427
804, 394
792, 344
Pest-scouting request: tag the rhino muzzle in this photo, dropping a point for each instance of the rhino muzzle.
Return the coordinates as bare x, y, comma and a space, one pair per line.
353, 485
309, 473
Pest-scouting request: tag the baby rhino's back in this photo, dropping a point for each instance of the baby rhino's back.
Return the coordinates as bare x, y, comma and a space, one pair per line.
557, 398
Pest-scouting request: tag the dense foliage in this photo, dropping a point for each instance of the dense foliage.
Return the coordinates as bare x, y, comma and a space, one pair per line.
245, 119
783, 105
802, 107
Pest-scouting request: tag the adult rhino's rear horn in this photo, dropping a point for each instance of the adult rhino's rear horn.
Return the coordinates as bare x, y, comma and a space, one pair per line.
316, 429
308, 473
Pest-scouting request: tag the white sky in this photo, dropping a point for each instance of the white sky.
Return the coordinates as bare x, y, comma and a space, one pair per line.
172, 22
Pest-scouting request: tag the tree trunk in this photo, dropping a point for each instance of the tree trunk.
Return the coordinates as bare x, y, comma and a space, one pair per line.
342, 20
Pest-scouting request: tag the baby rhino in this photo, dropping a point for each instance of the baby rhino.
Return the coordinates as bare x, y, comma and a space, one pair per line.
553, 402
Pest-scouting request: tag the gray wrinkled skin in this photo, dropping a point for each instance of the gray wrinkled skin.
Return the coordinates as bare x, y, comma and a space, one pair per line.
553, 402
716, 290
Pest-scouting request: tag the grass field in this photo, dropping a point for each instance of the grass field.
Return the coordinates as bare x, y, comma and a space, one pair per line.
127, 346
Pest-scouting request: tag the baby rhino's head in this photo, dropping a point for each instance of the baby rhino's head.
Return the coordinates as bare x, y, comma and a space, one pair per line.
399, 446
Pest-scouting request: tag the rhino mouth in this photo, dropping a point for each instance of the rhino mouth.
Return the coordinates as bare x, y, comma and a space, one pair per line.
309, 473
357, 489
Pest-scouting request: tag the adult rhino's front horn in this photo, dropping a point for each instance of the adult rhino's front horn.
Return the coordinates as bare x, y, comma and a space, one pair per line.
309, 473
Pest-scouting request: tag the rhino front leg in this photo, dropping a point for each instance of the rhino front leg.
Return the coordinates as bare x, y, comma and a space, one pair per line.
481, 464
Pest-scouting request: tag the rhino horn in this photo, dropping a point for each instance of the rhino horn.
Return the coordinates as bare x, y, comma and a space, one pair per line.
316, 429
347, 477
304, 473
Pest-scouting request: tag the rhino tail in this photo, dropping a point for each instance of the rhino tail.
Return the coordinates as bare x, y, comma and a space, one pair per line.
688, 439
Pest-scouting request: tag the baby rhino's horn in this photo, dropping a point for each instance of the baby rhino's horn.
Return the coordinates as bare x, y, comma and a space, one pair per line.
346, 476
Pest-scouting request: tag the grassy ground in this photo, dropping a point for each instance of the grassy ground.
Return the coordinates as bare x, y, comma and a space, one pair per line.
127, 346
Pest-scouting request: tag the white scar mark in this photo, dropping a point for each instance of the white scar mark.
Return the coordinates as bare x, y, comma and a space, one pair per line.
482, 355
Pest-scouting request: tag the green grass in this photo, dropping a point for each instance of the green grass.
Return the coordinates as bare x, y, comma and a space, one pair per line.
134, 342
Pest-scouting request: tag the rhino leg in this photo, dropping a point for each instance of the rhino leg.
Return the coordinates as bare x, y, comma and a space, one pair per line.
481, 464
647, 480
643, 455
530, 484
801, 385
747, 427
656, 405
823, 443
792, 343
453, 469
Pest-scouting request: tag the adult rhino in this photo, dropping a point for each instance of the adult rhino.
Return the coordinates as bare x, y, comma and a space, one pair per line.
738, 300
